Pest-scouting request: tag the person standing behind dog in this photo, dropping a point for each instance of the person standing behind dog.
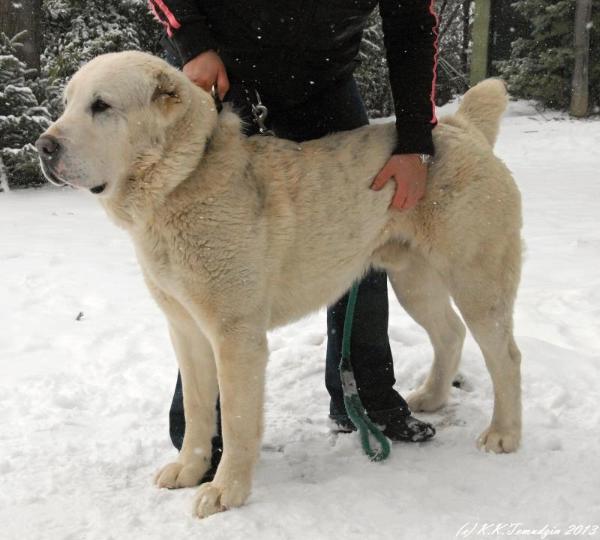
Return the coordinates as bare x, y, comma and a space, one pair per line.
299, 56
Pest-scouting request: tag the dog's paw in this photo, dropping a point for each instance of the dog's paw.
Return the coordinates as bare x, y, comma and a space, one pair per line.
499, 440
212, 497
424, 400
180, 475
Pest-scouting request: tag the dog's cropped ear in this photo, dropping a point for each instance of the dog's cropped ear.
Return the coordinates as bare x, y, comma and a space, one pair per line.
166, 91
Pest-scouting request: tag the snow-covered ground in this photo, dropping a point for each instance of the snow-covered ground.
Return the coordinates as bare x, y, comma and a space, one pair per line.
87, 371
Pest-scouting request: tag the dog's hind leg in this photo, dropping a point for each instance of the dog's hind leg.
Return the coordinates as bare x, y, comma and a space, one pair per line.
199, 381
424, 296
484, 292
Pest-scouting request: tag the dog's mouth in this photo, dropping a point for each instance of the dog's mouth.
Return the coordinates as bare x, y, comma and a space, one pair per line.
98, 189
51, 176
55, 180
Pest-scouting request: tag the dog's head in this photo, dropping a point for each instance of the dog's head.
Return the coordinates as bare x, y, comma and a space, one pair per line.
121, 109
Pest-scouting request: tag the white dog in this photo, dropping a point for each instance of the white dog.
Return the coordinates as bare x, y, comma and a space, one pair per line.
237, 235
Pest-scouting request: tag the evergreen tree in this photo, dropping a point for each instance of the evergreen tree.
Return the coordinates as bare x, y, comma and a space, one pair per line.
19, 16
372, 73
541, 65
454, 53
22, 119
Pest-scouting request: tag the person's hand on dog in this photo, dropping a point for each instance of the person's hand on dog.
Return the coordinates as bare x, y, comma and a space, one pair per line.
410, 174
207, 69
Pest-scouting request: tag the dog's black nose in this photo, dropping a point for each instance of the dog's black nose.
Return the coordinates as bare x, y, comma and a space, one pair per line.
48, 146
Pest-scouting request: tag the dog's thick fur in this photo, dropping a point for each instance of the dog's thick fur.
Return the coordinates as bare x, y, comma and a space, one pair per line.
237, 235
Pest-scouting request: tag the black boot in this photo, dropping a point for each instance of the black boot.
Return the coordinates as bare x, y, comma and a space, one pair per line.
397, 425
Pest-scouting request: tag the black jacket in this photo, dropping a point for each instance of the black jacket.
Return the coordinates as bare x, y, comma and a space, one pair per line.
292, 49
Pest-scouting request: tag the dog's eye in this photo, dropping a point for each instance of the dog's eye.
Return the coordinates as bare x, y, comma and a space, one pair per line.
99, 106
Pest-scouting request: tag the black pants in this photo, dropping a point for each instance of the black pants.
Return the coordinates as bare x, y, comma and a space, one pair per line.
340, 108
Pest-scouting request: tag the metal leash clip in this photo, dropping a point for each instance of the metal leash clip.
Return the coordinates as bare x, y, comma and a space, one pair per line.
214, 92
260, 113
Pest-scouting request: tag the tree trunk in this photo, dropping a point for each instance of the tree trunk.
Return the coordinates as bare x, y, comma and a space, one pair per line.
481, 38
19, 15
580, 83
466, 35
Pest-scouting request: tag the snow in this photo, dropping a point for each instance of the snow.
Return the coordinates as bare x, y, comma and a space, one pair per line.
83, 403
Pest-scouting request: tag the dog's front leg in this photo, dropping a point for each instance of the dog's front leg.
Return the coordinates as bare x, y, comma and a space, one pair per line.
241, 351
199, 381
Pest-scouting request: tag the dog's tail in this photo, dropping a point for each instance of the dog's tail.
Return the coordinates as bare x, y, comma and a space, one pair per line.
483, 105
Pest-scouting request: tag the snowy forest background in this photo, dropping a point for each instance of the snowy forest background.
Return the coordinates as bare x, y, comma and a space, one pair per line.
532, 46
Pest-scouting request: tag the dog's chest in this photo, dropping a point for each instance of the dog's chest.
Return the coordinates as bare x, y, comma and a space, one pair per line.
161, 256
178, 260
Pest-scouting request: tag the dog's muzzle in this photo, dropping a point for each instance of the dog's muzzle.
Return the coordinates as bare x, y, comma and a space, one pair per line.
49, 150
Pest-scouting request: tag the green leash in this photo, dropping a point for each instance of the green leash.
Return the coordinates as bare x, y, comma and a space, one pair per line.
354, 407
